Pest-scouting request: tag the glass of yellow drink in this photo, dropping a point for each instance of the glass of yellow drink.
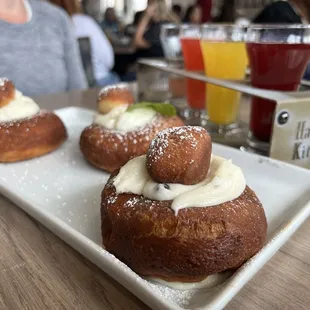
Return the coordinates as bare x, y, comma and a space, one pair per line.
225, 57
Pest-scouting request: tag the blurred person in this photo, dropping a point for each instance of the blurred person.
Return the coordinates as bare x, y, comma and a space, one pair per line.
131, 29
110, 22
177, 10
206, 7
193, 15
147, 37
39, 52
102, 53
285, 12
227, 12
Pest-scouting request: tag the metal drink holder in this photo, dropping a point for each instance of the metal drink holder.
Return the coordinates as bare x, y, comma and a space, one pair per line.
290, 141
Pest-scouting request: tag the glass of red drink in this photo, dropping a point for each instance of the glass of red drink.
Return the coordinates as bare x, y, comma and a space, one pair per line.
278, 56
193, 61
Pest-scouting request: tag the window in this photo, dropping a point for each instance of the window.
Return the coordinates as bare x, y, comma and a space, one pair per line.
126, 9
139, 5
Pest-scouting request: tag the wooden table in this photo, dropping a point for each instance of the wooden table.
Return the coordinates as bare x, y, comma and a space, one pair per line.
39, 271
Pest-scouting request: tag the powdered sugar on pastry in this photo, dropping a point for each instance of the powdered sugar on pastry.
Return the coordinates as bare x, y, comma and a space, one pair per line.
159, 145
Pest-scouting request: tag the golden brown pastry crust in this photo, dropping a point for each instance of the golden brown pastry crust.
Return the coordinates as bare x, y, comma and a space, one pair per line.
7, 92
148, 237
113, 96
180, 155
31, 137
109, 150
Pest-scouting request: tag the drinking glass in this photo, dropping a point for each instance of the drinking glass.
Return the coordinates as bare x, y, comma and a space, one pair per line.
193, 61
170, 41
278, 56
224, 54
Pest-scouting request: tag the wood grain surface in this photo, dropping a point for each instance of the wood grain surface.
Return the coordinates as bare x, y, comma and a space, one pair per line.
39, 271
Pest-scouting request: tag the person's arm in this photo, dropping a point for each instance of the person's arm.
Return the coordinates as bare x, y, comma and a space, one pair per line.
72, 57
102, 43
139, 40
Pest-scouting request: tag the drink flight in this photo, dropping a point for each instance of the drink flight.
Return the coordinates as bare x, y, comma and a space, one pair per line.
277, 56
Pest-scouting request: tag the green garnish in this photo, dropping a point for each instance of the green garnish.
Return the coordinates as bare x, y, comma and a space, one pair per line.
165, 109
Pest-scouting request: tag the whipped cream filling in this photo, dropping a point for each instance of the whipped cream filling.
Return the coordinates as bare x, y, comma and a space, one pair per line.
19, 108
119, 119
225, 182
209, 282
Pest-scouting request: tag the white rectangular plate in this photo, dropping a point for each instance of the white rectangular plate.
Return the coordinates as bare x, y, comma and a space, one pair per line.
62, 192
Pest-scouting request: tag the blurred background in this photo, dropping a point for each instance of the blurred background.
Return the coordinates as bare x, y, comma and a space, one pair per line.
120, 19
83, 44
127, 8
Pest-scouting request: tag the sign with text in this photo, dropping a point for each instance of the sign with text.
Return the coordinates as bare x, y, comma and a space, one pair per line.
291, 132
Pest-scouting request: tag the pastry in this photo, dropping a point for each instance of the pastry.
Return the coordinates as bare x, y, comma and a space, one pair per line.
111, 97
122, 130
26, 131
173, 232
187, 167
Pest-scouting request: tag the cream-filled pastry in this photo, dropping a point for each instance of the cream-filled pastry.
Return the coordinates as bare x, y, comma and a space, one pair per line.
180, 215
122, 130
20, 107
26, 131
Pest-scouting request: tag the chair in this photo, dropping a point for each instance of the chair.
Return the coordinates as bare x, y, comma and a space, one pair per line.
86, 56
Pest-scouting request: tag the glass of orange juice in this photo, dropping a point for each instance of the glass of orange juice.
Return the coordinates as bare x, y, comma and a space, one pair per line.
193, 61
224, 54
